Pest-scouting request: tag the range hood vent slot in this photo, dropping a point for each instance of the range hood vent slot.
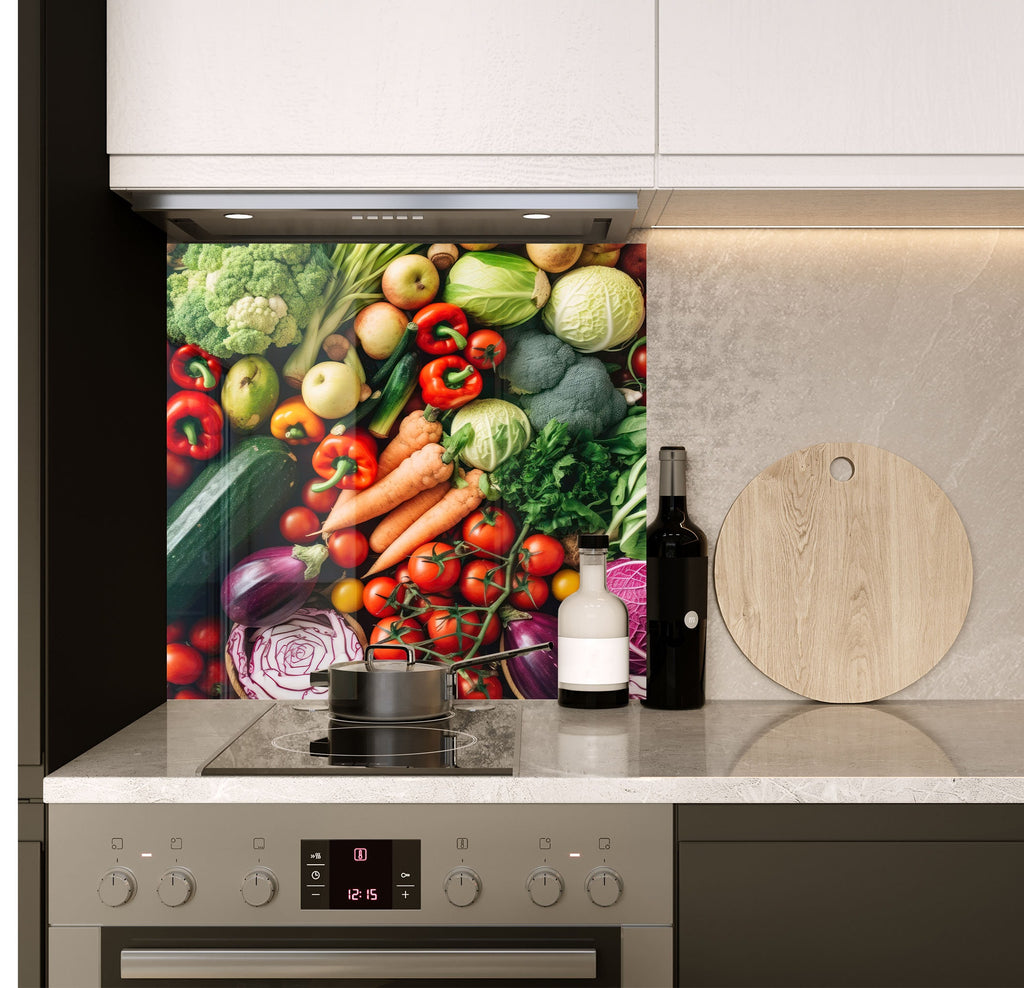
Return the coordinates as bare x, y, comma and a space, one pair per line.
420, 217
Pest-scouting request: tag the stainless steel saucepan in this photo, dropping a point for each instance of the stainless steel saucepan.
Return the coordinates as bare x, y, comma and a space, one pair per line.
392, 691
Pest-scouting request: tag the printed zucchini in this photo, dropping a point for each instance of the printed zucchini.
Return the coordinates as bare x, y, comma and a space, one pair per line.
219, 511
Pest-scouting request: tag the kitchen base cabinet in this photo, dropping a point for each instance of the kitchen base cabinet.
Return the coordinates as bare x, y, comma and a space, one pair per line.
849, 896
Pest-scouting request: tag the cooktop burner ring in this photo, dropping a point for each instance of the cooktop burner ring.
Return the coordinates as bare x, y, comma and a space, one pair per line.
336, 721
301, 741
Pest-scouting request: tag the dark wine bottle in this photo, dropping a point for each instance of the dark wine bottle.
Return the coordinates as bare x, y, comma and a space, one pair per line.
677, 594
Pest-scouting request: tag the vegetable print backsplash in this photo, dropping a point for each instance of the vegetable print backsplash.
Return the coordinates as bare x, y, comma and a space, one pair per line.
397, 445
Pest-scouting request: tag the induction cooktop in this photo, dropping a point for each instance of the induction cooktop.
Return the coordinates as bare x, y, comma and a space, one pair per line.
301, 738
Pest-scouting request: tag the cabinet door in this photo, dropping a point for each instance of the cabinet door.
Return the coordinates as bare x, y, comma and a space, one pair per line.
338, 77
845, 914
822, 77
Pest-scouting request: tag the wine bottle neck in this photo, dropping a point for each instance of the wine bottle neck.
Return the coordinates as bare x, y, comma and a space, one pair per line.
672, 480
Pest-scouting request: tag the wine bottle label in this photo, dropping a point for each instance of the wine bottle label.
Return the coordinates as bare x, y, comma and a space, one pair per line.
589, 664
677, 589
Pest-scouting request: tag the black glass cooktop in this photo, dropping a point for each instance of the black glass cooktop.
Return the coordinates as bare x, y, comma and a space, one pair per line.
300, 738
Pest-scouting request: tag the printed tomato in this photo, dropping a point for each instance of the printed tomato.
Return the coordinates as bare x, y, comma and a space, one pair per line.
485, 349
397, 630
189, 693
434, 567
347, 595
638, 362
211, 683
381, 594
541, 555
319, 501
564, 583
529, 593
300, 526
482, 582
473, 685
490, 530
176, 631
454, 632
348, 547
184, 664
491, 631
179, 471
206, 635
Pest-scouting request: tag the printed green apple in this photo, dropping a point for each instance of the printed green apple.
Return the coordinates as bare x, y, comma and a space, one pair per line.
250, 392
410, 281
330, 389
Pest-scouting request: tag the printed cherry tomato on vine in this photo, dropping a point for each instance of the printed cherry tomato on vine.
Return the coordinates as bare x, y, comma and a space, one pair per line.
485, 349
189, 693
482, 582
638, 361
488, 633
348, 547
564, 583
205, 635
300, 526
347, 595
541, 555
490, 529
179, 471
450, 632
380, 596
529, 592
319, 501
398, 630
184, 664
176, 631
473, 685
434, 567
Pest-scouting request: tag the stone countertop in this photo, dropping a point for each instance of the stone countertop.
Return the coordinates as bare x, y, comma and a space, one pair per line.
921, 751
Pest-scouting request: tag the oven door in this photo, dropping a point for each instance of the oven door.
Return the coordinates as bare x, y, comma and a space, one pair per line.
366, 956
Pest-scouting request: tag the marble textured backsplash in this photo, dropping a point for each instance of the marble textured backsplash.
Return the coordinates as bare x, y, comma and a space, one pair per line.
762, 342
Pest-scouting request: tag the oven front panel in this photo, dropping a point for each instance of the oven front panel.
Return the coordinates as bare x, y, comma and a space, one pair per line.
274, 865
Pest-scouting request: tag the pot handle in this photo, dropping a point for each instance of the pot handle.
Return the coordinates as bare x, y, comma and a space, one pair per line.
481, 660
320, 677
371, 662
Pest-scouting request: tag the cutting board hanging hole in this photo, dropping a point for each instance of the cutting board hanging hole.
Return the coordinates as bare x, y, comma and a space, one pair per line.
841, 469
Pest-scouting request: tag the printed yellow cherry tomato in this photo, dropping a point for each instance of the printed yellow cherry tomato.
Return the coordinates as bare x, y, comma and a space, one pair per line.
347, 595
565, 582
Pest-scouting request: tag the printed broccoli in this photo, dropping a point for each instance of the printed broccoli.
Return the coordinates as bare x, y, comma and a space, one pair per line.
242, 298
535, 362
584, 399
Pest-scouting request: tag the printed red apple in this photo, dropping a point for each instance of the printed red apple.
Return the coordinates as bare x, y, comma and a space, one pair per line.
379, 327
410, 281
604, 254
633, 260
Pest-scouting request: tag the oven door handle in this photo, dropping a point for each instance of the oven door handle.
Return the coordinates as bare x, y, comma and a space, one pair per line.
555, 964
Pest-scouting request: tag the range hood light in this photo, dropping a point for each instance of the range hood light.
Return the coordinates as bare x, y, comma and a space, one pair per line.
238, 216
536, 216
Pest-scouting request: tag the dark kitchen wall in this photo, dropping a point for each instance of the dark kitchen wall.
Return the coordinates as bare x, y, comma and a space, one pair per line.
101, 272
763, 342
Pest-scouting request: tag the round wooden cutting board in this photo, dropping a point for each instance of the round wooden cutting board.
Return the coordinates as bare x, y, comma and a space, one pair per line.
843, 590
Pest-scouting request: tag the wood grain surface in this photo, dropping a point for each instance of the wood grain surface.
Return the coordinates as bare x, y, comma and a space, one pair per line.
843, 590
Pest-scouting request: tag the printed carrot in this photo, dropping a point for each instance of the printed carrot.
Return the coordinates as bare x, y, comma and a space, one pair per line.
397, 520
415, 431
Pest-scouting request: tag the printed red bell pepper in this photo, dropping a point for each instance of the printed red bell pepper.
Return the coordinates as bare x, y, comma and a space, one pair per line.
441, 328
195, 425
195, 369
450, 382
348, 461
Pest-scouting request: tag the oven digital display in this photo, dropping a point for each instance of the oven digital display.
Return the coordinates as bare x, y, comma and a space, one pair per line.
360, 874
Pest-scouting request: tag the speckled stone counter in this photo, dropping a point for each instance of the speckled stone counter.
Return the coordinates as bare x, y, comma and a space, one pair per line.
920, 751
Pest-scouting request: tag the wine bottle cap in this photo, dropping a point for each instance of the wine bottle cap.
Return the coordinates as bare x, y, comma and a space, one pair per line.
672, 453
596, 541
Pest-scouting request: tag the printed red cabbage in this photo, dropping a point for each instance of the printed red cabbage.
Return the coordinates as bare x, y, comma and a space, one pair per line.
627, 579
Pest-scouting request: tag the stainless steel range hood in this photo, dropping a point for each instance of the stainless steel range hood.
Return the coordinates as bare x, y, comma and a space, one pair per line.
429, 216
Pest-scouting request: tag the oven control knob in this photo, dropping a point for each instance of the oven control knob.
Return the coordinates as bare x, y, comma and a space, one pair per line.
545, 886
462, 886
259, 886
176, 887
117, 887
604, 886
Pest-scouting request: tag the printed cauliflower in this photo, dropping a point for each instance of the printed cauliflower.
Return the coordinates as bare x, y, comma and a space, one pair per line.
242, 298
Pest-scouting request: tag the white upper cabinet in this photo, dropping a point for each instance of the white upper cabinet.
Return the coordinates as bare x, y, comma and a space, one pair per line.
743, 82
301, 78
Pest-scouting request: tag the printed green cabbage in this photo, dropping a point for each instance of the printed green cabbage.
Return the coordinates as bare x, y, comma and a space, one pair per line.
496, 288
500, 430
594, 308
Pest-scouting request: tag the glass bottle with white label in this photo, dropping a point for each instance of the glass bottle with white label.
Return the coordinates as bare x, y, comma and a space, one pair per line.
677, 594
593, 636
